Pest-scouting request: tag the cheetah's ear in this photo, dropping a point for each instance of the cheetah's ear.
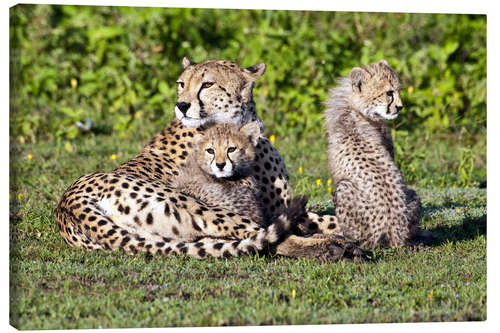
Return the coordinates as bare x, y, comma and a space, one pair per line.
198, 137
384, 62
186, 62
358, 77
201, 130
206, 125
255, 71
252, 131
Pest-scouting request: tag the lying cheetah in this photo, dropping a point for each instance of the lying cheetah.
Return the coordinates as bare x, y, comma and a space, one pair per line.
135, 207
372, 202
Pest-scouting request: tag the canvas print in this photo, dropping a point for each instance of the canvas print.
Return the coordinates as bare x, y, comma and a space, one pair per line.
175, 167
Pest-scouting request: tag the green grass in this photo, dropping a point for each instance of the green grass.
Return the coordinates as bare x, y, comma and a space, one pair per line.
53, 286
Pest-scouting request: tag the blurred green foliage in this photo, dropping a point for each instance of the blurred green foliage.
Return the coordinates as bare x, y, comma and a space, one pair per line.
118, 65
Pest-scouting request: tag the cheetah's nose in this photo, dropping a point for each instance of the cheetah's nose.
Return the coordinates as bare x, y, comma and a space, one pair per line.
399, 108
221, 165
183, 107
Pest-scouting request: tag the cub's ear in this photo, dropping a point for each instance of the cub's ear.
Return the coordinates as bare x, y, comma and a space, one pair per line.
252, 131
206, 125
358, 77
198, 136
255, 71
384, 62
201, 131
186, 62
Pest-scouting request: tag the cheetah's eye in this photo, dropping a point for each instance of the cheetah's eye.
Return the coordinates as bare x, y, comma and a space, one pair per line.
231, 149
207, 84
180, 84
210, 151
390, 93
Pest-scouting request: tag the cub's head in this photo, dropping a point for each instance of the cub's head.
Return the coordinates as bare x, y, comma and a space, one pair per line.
217, 91
227, 150
375, 91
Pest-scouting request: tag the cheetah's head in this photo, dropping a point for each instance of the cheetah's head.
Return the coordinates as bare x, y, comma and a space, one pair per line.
376, 90
217, 91
227, 150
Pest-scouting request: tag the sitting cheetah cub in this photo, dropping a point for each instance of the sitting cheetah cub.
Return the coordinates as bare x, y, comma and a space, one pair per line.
218, 172
372, 202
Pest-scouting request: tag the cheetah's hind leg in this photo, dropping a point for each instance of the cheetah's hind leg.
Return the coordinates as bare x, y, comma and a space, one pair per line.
414, 208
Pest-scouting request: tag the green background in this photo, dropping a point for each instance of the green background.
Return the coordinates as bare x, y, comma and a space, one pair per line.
124, 62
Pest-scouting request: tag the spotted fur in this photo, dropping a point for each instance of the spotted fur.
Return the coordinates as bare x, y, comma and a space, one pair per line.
204, 97
372, 202
136, 208
219, 172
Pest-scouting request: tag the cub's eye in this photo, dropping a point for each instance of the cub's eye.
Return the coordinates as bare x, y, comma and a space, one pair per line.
180, 84
207, 84
231, 149
210, 151
390, 93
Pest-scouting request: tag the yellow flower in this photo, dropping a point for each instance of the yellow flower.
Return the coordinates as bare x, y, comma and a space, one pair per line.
266, 92
410, 89
329, 189
272, 138
293, 293
301, 170
329, 182
310, 300
113, 157
318, 182
68, 146
73, 82
20, 196
29, 156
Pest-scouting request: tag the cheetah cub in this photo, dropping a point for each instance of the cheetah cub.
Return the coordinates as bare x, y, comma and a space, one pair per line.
219, 171
372, 202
